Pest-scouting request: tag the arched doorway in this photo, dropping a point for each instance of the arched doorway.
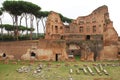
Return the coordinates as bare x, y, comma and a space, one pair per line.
32, 54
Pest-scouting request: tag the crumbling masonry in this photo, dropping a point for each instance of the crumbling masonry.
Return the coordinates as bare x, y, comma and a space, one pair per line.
90, 38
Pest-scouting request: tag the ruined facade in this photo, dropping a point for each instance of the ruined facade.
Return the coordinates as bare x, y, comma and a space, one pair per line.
82, 28
90, 38
93, 35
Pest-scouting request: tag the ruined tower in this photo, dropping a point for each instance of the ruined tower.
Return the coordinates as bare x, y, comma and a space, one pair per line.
54, 26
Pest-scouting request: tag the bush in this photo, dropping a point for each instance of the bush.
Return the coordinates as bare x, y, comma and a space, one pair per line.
24, 37
6, 38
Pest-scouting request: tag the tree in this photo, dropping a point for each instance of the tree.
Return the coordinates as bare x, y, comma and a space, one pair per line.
22, 28
43, 19
30, 8
29, 29
8, 28
41, 16
17, 8
22, 15
38, 16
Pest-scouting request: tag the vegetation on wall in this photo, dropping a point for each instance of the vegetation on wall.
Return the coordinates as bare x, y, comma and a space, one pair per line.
65, 19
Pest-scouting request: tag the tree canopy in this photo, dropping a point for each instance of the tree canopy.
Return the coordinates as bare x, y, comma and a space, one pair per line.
16, 8
19, 7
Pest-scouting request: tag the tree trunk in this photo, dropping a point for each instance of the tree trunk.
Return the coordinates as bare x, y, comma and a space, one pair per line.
13, 24
31, 25
43, 25
21, 18
26, 23
16, 27
45, 19
37, 23
13, 19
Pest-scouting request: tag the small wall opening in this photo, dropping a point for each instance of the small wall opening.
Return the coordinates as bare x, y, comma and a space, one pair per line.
118, 53
101, 38
56, 29
56, 57
88, 37
32, 54
4, 55
72, 51
62, 37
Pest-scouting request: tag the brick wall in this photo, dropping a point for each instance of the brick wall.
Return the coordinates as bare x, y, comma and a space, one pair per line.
18, 48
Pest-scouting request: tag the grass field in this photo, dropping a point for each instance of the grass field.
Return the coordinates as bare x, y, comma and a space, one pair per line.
57, 71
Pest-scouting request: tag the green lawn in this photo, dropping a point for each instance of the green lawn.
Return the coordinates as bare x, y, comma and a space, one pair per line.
54, 72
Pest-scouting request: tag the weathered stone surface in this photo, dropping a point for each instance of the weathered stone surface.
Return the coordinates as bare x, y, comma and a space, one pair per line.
74, 47
110, 35
87, 56
11, 57
25, 56
47, 51
90, 56
109, 53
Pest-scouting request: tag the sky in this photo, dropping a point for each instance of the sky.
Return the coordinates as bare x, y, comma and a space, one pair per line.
75, 8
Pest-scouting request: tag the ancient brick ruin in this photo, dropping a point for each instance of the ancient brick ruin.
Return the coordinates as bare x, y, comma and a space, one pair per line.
90, 38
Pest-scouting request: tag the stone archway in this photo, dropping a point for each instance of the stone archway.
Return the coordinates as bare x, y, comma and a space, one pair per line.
74, 50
